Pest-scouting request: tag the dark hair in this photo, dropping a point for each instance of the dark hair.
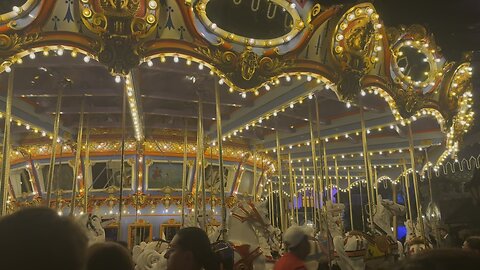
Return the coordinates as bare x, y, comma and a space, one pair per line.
441, 259
473, 242
37, 238
108, 255
196, 241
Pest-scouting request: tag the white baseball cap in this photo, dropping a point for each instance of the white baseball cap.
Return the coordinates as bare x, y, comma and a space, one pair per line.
294, 235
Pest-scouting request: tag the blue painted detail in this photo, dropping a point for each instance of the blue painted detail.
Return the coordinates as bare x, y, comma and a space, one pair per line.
68, 15
169, 23
401, 232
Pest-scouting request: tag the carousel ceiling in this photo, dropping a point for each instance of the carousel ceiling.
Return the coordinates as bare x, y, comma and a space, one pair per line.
290, 69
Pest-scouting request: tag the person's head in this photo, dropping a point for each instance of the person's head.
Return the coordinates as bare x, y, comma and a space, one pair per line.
296, 241
472, 243
190, 250
108, 255
37, 238
441, 259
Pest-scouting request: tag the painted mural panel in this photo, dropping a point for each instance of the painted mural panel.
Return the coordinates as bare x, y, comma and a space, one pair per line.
165, 174
62, 177
108, 173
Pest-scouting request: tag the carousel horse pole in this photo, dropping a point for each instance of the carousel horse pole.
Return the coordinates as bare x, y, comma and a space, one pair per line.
361, 205
290, 178
407, 189
296, 196
415, 182
184, 171
5, 172
325, 167
375, 177
337, 180
350, 198
86, 174
56, 126
254, 174
280, 182
395, 222
304, 198
271, 202
199, 157
314, 163
77, 159
122, 158
366, 165
319, 180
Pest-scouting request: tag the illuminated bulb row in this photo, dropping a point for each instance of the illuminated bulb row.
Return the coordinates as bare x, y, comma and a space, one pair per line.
132, 101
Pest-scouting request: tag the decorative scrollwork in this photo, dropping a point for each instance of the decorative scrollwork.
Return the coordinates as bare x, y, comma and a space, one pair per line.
15, 42
246, 69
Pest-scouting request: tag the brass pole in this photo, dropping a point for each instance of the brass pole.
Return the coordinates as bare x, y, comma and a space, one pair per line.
220, 159
5, 170
295, 197
337, 180
395, 222
376, 182
184, 171
204, 189
86, 173
122, 161
56, 127
361, 205
350, 198
73, 202
319, 180
304, 199
280, 183
254, 175
415, 182
290, 178
272, 206
199, 159
315, 169
325, 167
407, 189
366, 165
429, 176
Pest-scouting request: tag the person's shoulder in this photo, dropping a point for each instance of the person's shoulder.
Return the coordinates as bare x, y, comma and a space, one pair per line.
289, 262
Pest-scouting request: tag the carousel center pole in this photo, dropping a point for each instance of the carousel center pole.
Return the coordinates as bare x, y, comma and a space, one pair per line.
220, 160
366, 165
280, 183
350, 198
5, 170
78, 152
56, 126
184, 171
415, 182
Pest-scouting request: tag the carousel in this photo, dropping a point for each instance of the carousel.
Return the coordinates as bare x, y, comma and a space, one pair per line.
242, 117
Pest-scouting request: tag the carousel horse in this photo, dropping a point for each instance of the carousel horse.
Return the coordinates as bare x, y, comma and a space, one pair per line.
93, 226
414, 242
382, 244
349, 248
249, 233
150, 256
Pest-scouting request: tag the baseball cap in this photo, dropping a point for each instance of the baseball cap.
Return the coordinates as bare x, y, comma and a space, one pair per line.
294, 235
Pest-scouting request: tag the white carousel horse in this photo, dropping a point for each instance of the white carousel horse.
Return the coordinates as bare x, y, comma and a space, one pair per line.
93, 225
383, 245
350, 248
150, 256
248, 230
414, 242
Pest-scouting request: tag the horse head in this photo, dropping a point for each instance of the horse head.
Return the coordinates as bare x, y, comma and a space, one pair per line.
92, 226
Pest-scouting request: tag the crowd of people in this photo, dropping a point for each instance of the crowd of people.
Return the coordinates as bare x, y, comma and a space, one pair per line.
38, 238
